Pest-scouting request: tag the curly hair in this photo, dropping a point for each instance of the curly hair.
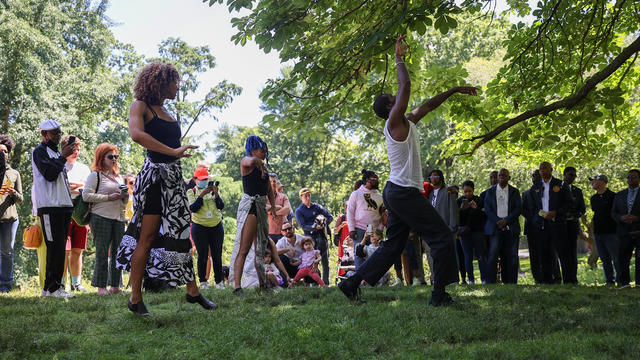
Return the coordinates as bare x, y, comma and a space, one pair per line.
6, 141
153, 80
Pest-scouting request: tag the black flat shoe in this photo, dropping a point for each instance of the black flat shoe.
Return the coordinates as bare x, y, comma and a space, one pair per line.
138, 308
203, 301
238, 292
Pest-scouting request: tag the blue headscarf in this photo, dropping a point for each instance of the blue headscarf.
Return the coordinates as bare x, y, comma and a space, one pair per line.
253, 143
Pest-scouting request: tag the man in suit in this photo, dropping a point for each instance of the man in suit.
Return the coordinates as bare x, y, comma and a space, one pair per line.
626, 212
528, 211
552, 202
503, 206
445, 205
567, 249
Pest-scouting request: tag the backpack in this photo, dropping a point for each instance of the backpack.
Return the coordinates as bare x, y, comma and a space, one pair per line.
82, 209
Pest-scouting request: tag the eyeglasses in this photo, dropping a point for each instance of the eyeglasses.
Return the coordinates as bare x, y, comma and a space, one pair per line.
112, 157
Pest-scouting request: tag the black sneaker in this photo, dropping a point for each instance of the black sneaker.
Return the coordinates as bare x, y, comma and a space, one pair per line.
138, 308
443, 299
203, 301
351, 289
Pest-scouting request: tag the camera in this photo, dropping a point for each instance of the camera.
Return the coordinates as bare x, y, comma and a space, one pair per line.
212, 183
320, 222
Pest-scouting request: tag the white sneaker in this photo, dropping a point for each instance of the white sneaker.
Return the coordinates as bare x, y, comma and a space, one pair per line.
60, 293
45, 293
79, 288
204, 285
220, 285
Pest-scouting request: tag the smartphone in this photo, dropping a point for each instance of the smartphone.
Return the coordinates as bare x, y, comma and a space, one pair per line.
212, 183
72, 139
370, 228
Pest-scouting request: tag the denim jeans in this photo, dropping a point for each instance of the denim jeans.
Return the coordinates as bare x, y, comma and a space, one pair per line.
474, 242
608, 247
7, 238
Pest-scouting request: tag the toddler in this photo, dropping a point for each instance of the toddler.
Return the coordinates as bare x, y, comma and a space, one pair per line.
308, 262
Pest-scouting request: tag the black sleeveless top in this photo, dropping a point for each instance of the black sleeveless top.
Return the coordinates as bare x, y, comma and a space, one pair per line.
254, 184
167, 132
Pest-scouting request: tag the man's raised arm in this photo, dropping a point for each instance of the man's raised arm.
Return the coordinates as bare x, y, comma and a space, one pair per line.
418, 113
397, 125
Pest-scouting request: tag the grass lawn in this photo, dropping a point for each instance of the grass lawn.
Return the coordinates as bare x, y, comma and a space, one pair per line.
486, 322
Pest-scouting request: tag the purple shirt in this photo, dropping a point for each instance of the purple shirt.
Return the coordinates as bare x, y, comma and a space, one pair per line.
307, 258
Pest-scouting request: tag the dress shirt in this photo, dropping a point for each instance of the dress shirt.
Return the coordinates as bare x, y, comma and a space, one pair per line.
502, 201
545, 194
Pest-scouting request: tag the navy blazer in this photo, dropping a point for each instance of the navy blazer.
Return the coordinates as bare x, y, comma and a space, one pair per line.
620, 208
491, 209
560, 200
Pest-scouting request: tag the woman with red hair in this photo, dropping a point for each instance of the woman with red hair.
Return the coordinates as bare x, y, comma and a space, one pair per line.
108, 195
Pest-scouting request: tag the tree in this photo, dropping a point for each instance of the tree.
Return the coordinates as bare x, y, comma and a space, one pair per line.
190, 62
568, 80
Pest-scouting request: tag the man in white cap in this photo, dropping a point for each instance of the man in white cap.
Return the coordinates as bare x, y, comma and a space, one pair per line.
52, 201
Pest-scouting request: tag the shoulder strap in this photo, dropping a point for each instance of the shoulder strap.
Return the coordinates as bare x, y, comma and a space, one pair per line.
150, 108
98, 182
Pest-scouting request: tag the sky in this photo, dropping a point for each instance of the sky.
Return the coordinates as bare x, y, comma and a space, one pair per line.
144, 23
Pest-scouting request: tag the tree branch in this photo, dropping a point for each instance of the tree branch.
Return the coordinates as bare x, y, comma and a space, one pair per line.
566, 103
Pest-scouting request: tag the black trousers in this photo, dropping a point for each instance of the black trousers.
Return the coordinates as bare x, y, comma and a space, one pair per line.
208, 239
408, 209
55, 228
627, 245
553, 233
567, 252
286, 262
534, 255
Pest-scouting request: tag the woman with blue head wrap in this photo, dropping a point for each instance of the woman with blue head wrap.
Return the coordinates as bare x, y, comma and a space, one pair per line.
252, 219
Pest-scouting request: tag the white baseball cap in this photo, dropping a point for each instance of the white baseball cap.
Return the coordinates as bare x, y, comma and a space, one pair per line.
49, 125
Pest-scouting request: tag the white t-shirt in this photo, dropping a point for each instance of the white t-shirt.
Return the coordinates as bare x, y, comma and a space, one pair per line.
404, 159
77, 173
283, 243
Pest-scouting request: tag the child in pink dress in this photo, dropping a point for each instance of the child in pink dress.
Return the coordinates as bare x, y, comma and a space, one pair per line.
308, 262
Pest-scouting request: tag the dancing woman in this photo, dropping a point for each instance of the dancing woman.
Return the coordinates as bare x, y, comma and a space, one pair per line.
159, 193
253, 223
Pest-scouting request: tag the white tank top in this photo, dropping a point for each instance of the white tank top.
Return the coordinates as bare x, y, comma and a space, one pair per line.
404, 158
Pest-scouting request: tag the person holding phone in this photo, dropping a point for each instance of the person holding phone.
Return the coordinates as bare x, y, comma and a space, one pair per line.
106, 191
51, 200
77, 173
207, 231
159, 193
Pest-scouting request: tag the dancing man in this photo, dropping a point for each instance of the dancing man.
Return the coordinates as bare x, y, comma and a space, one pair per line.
407, 208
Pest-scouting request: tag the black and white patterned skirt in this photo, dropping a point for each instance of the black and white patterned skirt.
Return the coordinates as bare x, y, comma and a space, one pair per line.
170, 258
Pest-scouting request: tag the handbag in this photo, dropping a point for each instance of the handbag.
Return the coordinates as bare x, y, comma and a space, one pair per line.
32, 237
82, 209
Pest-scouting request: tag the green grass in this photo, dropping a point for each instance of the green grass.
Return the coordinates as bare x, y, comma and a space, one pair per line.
497, 321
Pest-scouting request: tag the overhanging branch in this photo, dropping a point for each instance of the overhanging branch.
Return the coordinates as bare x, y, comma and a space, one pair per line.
566, 103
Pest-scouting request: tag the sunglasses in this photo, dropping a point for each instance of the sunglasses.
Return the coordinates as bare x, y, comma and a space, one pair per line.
112, 157
56, 132
287, 229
